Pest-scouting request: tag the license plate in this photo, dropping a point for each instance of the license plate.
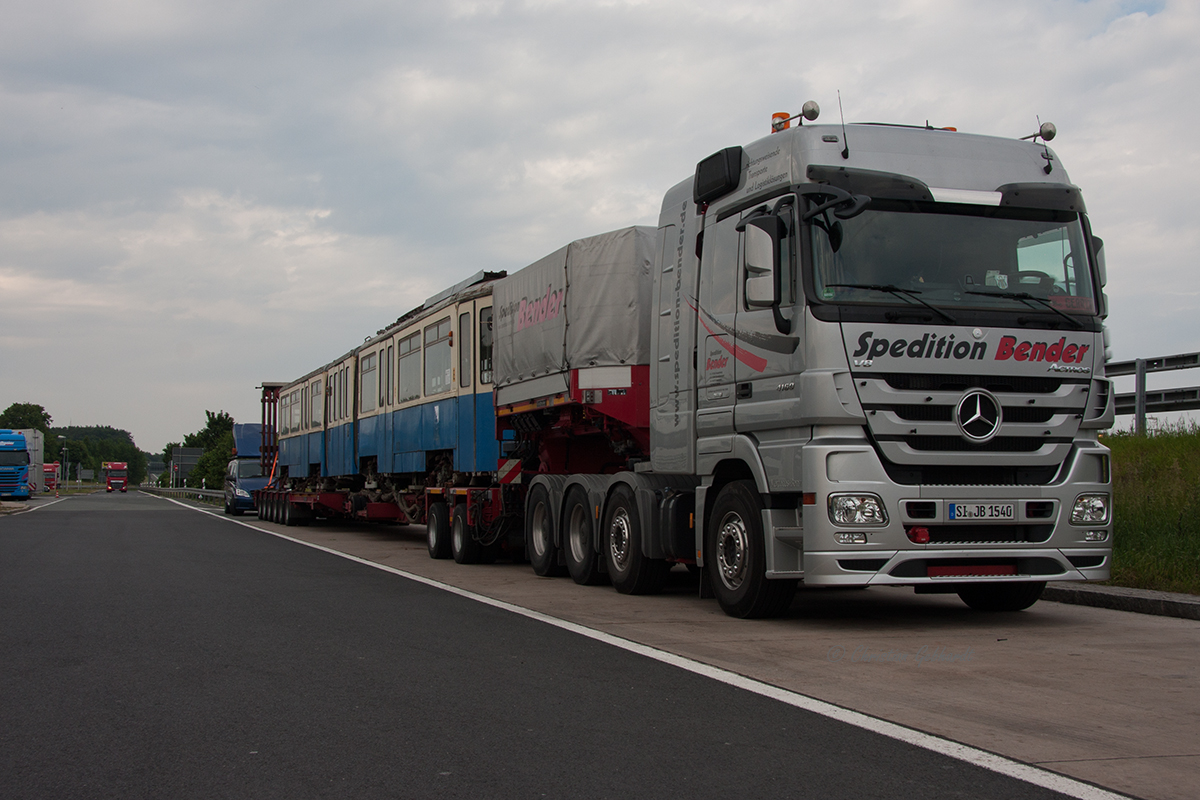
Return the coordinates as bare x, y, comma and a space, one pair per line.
981, 511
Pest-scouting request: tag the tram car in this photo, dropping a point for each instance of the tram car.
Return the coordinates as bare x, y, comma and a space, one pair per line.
409, 410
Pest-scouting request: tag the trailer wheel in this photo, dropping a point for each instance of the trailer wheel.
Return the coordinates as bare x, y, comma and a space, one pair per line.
583, 562
1001, 596
539, 534
629, 570
463, 546
437, 531
290, 517
736, 558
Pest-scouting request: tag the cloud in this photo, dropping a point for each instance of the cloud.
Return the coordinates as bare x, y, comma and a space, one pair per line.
197, 197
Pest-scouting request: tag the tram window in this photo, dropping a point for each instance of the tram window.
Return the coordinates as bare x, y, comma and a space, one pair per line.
439, 367
333, 396
389, 368
316, 410
346, 398
369, 382
464, 349
409, 367
485, 345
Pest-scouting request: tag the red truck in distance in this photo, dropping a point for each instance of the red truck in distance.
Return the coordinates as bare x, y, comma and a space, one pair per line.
116, 475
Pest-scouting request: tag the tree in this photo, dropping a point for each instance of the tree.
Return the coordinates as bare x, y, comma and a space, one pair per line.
216, 440
26, 415
210, 468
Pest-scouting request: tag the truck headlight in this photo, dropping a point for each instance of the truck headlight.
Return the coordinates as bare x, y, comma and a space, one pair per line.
1090, 509
856, 509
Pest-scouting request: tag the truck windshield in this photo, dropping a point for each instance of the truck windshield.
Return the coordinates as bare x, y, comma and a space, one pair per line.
13, 458
116, 473
956, 257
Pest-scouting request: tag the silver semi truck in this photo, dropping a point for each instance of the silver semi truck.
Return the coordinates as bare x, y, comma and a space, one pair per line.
851, 355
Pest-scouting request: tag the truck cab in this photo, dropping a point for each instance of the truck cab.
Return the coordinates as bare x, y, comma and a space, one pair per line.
116, 476
14, 466
881, 350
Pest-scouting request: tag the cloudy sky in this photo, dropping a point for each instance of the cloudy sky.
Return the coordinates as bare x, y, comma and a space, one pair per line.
196, 197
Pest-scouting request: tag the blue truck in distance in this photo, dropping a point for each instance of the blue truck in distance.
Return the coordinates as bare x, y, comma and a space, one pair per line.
14, 466
244, 475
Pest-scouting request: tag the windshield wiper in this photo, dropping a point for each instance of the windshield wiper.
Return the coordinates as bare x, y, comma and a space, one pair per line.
898, 292
1025, 297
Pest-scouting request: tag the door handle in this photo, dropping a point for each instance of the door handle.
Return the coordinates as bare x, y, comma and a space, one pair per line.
744, 390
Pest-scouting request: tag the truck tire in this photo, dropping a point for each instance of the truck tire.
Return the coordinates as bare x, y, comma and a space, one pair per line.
289, 513
437, 531
1002, 596
539, 534
579, 543
463, 546
736, 556
629, 570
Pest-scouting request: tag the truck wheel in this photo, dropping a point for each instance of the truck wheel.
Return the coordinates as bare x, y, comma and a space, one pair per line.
736, 556
437, 531
463, 546
289, 514
583, 562
629, 570
539, 534
1002, 596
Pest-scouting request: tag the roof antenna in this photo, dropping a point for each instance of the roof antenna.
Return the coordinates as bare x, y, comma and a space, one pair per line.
845, 142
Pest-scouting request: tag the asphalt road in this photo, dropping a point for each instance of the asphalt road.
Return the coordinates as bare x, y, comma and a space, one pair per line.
150, 651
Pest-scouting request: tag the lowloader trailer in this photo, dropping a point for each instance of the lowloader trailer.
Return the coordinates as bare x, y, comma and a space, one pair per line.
849, 355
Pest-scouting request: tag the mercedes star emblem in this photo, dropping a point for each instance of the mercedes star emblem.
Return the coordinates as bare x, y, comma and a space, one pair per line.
978, 415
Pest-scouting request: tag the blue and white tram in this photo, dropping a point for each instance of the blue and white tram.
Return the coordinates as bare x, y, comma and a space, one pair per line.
410, 408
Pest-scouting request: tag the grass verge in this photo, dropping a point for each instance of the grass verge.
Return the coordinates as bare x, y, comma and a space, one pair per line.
1156, 499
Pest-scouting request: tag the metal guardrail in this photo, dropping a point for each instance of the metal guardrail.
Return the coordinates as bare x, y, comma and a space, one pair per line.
204, 495
1140, 402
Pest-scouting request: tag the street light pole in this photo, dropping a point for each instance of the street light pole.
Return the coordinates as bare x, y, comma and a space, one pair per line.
57, 483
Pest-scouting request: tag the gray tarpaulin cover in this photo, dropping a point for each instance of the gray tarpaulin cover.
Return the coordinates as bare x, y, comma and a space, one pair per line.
585, 305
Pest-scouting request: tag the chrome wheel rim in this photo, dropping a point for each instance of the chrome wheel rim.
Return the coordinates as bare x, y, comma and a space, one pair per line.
618, 539
577, 534
458, 533
540, 530
732, 549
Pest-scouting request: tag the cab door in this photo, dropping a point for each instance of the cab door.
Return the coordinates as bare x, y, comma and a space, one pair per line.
768, 321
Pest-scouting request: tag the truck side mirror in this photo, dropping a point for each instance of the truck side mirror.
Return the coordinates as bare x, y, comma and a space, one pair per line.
762, 256
1098, 248
764, 272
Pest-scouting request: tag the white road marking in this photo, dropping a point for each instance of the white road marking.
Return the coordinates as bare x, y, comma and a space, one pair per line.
927, 741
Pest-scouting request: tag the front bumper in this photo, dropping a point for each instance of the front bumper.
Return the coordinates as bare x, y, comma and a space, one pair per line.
1038, 544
